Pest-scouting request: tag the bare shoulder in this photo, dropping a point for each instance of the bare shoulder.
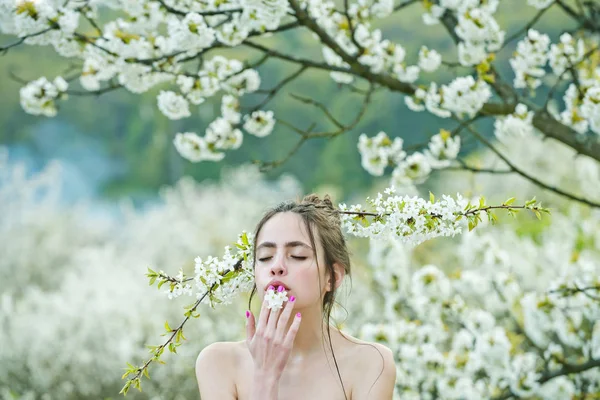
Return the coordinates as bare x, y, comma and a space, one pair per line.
374, 370
215, 370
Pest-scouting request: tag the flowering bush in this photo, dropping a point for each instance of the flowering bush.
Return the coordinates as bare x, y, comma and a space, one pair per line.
510, 311
503, 316
74, 306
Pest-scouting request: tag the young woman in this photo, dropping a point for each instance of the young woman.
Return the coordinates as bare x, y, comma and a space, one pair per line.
293, 353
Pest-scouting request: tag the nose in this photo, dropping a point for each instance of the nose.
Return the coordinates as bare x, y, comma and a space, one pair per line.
279, 268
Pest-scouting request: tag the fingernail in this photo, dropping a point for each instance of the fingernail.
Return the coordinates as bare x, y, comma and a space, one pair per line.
271, 287
292, 298
280, 289
298, 315
247, 314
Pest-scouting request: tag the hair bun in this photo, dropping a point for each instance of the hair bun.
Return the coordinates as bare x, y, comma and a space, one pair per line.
315, 200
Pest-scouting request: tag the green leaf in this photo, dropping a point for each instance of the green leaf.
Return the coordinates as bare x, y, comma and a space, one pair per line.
161, 283
167, 327
481, 202
530, 202
125, 388
431, 197
509, 201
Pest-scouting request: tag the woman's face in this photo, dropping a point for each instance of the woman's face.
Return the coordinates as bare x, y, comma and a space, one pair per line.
284, 253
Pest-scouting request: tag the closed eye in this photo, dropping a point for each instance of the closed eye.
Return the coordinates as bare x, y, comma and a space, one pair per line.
265, 258
299, 257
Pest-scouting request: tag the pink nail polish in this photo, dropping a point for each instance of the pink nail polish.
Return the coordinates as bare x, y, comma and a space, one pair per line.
280, 289
292, 298
247, 314
271, 287
298, 315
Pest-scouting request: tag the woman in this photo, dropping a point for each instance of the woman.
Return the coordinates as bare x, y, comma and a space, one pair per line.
293, 352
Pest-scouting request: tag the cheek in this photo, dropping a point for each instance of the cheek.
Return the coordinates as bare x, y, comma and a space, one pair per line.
309, 280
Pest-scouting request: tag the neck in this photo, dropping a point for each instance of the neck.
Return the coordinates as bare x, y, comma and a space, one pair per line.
311, 339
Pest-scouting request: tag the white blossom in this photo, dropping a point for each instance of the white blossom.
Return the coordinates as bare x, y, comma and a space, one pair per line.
442, 149
529, 60
173, 105
260, 123
275, 299
514, 126
413, 169
39, 96
429, 59
230, 109
465, 95
590, 108
194, 148
566, 53
379, 151
573, 114
222, 135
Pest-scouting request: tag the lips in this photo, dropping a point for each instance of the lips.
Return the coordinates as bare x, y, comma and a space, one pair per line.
276, 284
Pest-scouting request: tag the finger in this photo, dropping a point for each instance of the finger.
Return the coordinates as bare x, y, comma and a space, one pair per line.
273, 317
263, 318
291, 335
250, 325
284, 318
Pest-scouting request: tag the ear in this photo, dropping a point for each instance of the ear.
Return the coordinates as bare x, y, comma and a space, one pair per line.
338, 276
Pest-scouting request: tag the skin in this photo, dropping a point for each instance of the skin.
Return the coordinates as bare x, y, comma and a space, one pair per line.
284, 355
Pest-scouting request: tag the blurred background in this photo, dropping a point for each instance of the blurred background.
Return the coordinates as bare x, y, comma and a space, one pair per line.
92, 197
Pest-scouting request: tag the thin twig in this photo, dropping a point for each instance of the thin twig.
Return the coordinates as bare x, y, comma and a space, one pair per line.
4, 50
526, 28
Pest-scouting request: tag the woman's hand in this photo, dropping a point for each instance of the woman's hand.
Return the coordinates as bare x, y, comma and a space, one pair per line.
270, 342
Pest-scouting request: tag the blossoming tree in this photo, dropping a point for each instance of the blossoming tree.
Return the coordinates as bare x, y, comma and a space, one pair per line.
182, 46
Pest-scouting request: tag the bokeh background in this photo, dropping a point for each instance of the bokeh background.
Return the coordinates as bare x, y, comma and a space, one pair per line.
92, 197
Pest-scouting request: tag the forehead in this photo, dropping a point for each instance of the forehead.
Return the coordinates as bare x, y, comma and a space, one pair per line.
283, 228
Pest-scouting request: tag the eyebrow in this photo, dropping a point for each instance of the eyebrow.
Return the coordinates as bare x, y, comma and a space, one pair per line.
295, 243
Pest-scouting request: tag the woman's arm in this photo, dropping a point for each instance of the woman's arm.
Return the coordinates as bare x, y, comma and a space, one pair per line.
214, 372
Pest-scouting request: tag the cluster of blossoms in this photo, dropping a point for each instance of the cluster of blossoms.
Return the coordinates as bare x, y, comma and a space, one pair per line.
581, 100
152, 43
515, 125
275, 299
380, 151
217, 280
464, 95
222, 133
38, 97
485, 328
146, 49
479, 32
56, 256
529, 60
412, 219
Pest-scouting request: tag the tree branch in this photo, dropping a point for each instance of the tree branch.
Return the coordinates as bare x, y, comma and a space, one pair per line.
273, 92
4, 50
526, 28
526, 175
